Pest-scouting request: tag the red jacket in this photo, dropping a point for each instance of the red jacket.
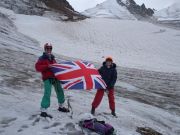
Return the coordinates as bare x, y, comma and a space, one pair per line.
42, 65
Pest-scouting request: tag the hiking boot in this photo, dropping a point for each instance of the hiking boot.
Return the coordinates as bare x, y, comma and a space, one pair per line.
113, 113
93, 111
44, 114
63, 109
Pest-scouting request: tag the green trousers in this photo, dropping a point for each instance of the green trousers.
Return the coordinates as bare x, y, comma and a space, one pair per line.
45, 103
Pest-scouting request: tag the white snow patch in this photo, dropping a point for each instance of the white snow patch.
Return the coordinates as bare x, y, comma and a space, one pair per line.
21, 105
128, 86
85, 40
131, 43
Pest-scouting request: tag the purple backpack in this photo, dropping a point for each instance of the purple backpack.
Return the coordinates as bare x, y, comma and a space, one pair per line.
97, 126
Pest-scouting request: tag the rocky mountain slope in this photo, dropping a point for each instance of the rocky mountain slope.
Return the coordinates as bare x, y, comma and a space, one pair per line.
42, 7
139, 11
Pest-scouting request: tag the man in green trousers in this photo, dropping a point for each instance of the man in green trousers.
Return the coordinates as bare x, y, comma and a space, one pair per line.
43, 65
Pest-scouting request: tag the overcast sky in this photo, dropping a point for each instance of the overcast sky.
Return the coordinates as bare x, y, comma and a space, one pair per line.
81, 5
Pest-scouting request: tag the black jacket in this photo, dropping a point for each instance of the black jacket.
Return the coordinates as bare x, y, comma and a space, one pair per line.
109, 75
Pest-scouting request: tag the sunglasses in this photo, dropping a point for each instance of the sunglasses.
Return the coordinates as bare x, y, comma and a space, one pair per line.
49, 48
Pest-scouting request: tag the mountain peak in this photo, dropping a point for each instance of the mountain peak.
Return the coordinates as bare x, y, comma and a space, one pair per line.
120, 9
138, 11
110, 9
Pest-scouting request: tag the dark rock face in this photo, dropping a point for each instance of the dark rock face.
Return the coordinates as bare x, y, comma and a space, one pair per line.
150, 12
58, 3
137, 10
140, 10
147, 131
64, 7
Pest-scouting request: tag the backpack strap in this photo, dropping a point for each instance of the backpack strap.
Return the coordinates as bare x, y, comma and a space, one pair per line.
81, 125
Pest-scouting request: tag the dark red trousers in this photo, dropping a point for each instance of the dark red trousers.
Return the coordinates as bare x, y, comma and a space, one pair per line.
99, 96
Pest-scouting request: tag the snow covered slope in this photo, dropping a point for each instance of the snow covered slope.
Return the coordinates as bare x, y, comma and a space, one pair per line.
110, 9
20, 85
170, 13
132, 44
22, 109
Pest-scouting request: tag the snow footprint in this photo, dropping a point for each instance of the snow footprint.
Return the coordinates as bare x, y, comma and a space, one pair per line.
6, 121
70, 129
55, 124
22, 128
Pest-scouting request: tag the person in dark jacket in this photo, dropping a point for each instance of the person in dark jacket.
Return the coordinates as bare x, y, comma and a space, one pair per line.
109, 75
43, 65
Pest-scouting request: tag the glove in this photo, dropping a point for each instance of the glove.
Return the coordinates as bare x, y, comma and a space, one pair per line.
48, 67
110, 87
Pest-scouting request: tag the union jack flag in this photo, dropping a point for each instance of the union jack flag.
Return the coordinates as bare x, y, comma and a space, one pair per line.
78, 75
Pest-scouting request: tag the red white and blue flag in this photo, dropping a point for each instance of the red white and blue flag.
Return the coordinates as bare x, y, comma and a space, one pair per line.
78, 75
